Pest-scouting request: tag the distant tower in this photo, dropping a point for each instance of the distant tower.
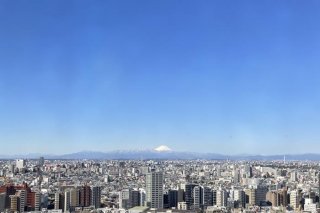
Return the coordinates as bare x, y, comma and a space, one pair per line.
284, 159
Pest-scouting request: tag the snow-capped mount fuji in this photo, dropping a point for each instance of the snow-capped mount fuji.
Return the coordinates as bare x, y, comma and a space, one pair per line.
162, 148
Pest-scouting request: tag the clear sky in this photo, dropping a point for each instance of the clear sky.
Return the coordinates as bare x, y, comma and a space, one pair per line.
218, 76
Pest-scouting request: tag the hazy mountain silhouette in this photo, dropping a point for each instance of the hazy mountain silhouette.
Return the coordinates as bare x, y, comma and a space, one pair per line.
152, 154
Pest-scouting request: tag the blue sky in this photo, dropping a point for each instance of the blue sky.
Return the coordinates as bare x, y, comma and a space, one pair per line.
209, 76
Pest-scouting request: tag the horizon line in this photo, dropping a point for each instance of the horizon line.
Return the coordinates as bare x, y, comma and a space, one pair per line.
153, 150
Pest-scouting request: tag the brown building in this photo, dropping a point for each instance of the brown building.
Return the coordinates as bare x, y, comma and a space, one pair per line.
14, 203
272, 196
85, 196
278, 198
11, 189
283, 197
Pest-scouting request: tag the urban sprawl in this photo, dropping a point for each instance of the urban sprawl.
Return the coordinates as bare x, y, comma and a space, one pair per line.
169, 186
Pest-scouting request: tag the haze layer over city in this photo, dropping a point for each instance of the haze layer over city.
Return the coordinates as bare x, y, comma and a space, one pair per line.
159, 106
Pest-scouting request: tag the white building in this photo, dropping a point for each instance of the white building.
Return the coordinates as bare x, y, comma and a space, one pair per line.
294, 199
222, 198
294, 176
20, 163
182, 206
142, 196
309, 206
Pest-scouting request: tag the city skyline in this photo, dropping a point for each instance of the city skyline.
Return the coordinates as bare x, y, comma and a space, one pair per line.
213, 76
173, 186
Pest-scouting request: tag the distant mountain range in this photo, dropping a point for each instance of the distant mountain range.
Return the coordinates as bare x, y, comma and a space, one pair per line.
153, 154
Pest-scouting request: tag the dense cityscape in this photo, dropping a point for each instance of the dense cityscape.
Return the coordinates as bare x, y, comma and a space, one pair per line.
139, 186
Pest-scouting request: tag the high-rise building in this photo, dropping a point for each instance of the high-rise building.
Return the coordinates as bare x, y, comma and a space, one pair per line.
27, 195
236, 176
135, 198
310, 206
319, 187
2, 201
125, 199
197, 197
85, 196
207, 197
14, 207
142, 197
20, 163
37, 201
154, 189
189, 195
166, 201
256, 194
144, 170
218, 170
58, 201
240, 198
67, 201
33, 200
251, 194
283, 197
261, 192
74, 197
214, 197
41, 161
294, 176
294, 199
222, 198
22, 195
11, 168
96, 196
181, 195
173, 198
129, 198
272, 196
247, 171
